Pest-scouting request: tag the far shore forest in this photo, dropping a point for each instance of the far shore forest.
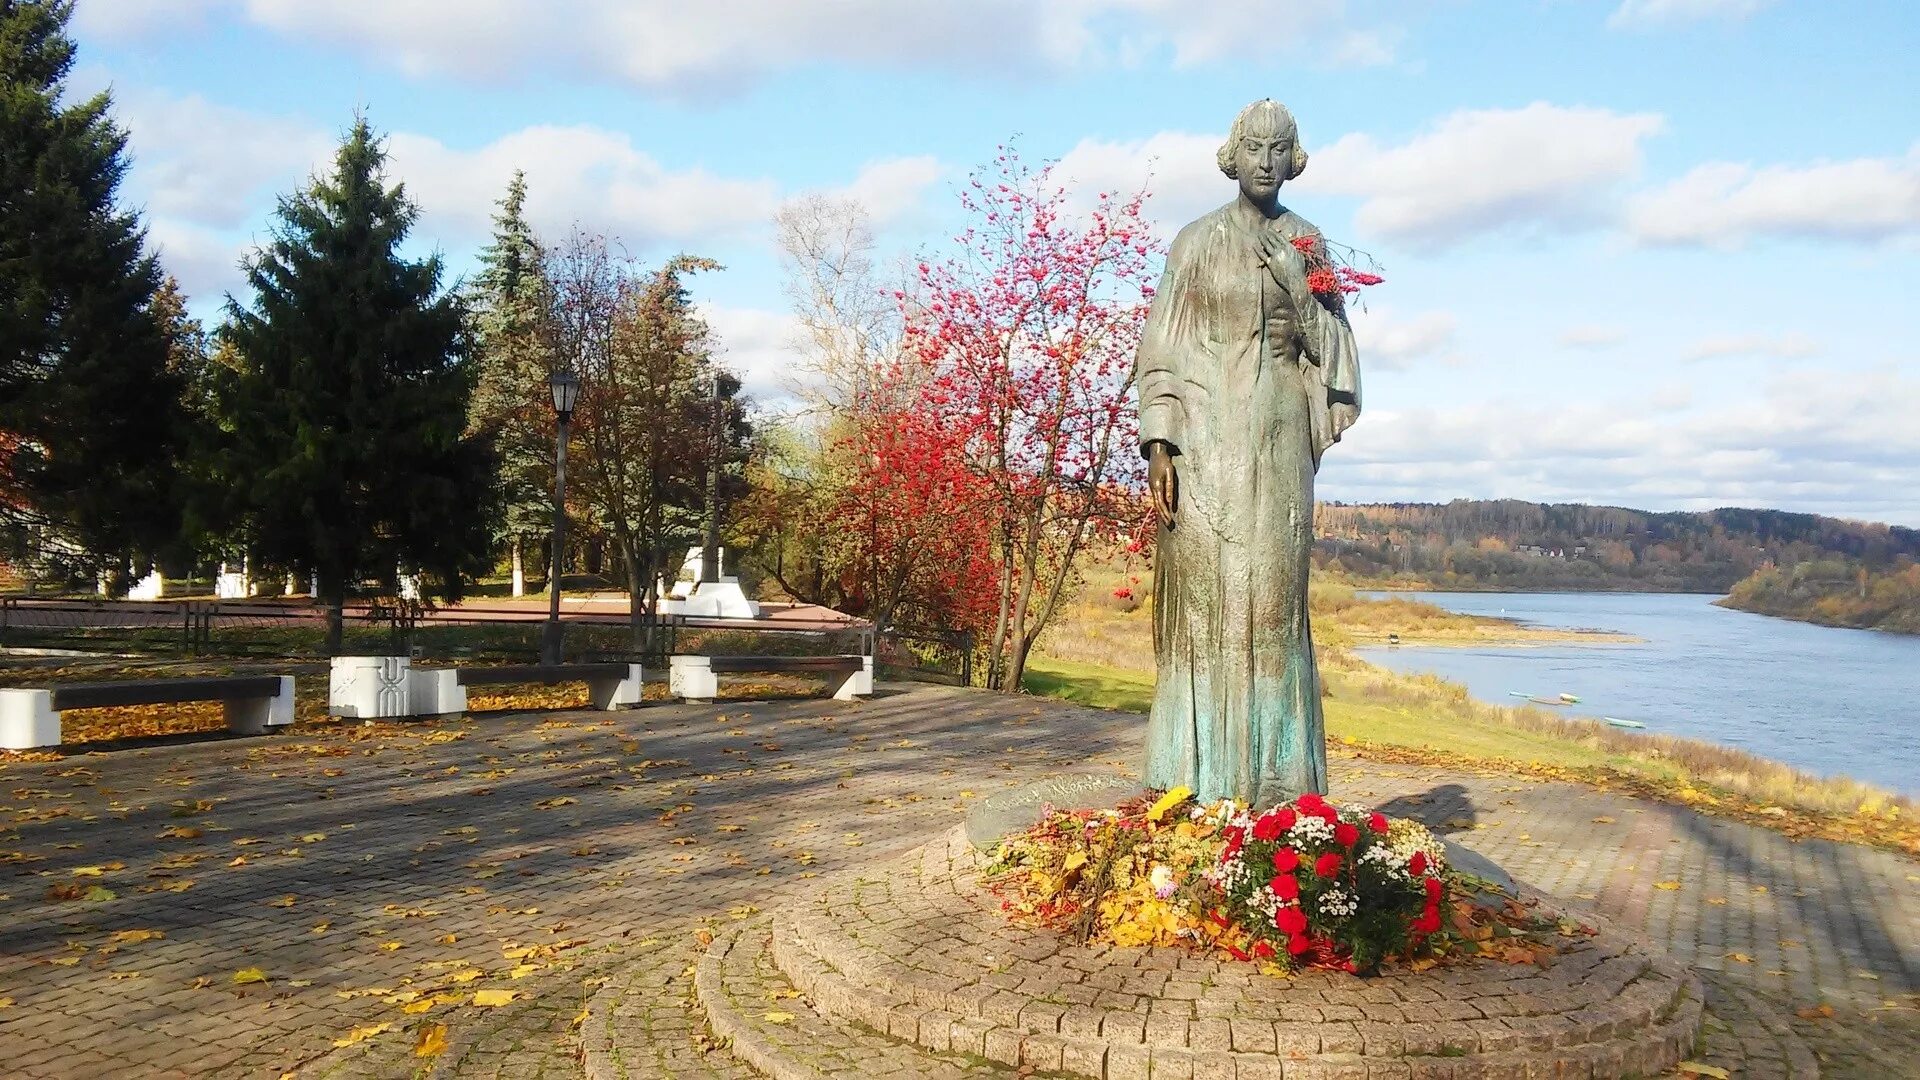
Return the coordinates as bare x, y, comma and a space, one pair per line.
1800, 566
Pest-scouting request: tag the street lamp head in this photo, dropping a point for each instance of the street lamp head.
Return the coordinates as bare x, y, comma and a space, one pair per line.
566, 390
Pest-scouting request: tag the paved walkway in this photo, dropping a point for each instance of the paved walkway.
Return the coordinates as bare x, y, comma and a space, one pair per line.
381, 875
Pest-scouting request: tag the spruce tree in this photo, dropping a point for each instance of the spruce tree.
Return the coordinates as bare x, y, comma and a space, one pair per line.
348, 407
511, 401
87, 398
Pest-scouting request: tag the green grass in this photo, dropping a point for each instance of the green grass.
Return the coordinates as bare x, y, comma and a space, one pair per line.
1353, 712
1090, 684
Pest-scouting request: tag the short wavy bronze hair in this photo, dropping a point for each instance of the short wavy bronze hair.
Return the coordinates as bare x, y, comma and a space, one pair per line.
1283, 121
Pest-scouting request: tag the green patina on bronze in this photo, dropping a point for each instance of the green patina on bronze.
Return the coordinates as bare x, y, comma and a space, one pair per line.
1245, 378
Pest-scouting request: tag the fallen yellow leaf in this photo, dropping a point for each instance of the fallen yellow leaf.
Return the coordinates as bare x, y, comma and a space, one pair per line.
493, 998
415, 1008
282, 902
432, 1041
361, 1034
1669, 886
249, 975
135, 937
390, 946
1696, 1068
779, 1018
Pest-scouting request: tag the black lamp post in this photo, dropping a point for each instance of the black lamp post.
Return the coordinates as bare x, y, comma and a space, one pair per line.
566, 390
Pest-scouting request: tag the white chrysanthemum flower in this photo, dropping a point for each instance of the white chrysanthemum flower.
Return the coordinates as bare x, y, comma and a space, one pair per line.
1337, 903
1310, 830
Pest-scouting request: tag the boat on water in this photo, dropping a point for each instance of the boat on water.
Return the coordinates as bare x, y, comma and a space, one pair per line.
1563, 699
1618, 722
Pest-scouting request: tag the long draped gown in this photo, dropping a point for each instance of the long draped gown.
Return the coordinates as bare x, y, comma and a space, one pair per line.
1247, 391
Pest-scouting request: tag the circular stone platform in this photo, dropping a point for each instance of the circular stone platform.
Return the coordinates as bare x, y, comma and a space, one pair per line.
917, 953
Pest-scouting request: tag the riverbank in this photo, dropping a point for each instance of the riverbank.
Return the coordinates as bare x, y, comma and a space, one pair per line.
1833, 594
1101, 653
1383, 716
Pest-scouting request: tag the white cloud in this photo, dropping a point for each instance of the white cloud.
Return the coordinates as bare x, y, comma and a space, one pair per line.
576, 175
1176, 167
1726, 205
1541, 167
1813, 440
1781, 347
760, 347
206, 262
1648, 13
202, 171
1390, 344
680, 47
214, 165
895, 189
134, 17
1592, 336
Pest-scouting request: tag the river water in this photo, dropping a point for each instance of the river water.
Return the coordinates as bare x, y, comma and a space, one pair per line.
1828, 701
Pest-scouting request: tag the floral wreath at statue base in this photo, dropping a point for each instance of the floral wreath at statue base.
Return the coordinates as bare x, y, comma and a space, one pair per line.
1303, 884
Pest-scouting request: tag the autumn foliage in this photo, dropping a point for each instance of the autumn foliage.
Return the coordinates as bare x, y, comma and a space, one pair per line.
1022, 341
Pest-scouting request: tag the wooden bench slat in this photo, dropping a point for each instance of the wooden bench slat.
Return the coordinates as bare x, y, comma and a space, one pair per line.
545, 674
104, 695
787, 663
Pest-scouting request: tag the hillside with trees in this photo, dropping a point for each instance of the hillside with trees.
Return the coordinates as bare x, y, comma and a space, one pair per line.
1508, 545
1834, 592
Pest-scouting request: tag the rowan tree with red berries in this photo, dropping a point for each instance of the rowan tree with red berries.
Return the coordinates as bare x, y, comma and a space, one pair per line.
1026, 333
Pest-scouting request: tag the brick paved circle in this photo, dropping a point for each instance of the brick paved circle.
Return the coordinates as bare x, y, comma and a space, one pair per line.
916, 949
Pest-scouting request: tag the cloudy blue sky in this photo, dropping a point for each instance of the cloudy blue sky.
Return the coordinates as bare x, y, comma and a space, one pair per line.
1658, 253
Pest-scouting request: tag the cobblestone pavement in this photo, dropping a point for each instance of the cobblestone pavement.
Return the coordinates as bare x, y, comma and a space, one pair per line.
239, 907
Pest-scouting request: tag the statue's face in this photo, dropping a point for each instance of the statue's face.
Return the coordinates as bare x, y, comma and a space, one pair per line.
1263, 156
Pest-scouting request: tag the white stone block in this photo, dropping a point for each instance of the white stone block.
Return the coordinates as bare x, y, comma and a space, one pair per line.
614, 693
690, 678
27, 719
369, 687
257, 716
232, 586
857, 684
719, 600
151, 587
436, 692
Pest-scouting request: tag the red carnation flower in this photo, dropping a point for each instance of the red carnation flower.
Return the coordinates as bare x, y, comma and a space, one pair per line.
1346, 835
1311, 802
1285, 818
1327, 865
1298, 944
1418, 864
1432, 885
1285, 886
1286, 860
1262, 949
1328, 814
1428, 922
1378, 823
1267, 828
1290, 920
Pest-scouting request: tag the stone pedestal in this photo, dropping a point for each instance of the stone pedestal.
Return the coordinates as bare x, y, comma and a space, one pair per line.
911, 964
370, 687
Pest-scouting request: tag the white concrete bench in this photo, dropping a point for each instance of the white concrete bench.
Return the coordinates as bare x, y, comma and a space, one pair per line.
692, 678
381, 687
254, 704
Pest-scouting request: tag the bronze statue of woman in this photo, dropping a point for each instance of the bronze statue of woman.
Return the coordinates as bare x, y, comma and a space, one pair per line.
1245, 377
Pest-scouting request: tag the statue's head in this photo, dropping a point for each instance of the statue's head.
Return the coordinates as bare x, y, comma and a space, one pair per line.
1263, 150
